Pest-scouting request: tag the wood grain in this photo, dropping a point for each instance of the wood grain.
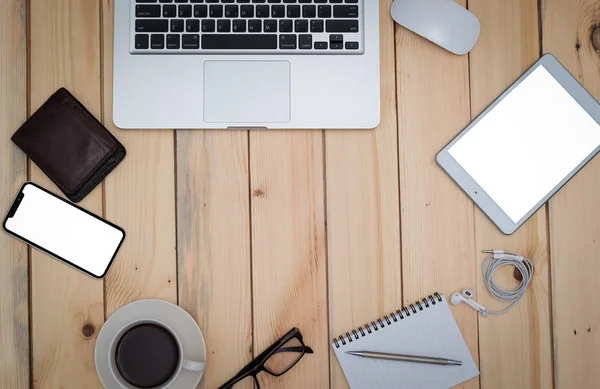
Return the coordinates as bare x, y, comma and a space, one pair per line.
437, 218
213, 223
14, 278
520, 340
139, 197
67, 305
250, 258
363, 212
288, 249
574, 224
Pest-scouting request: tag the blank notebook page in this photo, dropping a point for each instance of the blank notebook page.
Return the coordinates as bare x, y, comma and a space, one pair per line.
430, 332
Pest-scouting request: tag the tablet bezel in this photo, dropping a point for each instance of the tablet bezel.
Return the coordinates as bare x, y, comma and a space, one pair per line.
470, 186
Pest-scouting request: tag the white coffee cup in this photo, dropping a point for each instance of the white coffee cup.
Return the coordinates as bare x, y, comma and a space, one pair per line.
184, 363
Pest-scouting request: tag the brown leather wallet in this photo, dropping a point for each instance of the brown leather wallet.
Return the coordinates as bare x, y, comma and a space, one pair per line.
69, 144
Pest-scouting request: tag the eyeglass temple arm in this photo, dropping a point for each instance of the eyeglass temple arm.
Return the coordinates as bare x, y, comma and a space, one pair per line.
242, 374
238, 377
295, 349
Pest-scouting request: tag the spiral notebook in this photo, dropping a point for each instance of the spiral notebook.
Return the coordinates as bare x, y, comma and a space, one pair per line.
425, 328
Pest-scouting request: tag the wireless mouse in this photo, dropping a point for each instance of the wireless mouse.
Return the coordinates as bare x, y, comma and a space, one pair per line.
443, 22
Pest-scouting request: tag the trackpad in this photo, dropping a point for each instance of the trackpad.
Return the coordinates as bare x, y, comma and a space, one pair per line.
247, 91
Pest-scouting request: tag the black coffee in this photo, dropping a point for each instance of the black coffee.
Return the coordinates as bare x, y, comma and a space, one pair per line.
147, 355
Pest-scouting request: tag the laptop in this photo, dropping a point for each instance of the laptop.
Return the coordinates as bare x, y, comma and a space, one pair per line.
246, 64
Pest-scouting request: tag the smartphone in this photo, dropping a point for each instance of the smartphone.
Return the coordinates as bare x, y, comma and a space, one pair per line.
63, 230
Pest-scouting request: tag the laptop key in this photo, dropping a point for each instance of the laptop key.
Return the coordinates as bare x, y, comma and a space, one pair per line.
239, 25
190, 41
157, 41
147, 11
169, 11
151, 25
262, 11
192, 25
336, 41
309, 11
141, 41
176, 25
324, 11
216, 11
231, 11
321, 45
270, 25
287, 42
200, 11
172, 41
286, 25
317, 26
278, 11
341, 26
247, 11
208, 25
185, 11
293, 11
305, 42
239, 42
223, 25
301, 25
345, 11
254, 26
351, 45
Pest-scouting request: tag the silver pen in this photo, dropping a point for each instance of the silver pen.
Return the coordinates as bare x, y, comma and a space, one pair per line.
405, 358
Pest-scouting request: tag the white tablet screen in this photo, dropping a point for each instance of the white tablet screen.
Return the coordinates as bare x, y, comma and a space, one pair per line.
527, 144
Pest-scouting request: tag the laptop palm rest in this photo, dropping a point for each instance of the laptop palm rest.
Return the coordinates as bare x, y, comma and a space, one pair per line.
247, 92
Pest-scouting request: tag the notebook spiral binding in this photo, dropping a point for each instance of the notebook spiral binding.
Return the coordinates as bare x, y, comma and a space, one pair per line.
393, 317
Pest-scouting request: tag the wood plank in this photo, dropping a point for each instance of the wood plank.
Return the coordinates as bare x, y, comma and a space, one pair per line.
436, 217
213, 223
520, 340
363, 226
67, 305
139, 197
288, 249
14, 278
567, 31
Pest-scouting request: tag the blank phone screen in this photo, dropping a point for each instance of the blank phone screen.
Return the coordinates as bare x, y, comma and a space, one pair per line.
527, 144
64, 230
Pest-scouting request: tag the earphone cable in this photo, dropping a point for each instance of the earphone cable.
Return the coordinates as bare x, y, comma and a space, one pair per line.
494, 261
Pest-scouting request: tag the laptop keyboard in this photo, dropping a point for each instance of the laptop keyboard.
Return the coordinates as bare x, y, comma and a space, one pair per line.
247, 26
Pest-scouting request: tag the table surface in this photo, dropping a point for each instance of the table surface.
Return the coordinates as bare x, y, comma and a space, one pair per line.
254, 233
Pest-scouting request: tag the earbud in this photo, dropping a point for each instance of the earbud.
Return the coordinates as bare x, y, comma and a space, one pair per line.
466, 296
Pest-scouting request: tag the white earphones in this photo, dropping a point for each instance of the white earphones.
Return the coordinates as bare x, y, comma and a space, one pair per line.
466, 296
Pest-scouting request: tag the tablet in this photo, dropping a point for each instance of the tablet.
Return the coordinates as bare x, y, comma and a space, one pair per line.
526, 145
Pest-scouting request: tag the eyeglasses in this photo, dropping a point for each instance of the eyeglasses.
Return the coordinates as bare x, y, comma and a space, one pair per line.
280, 357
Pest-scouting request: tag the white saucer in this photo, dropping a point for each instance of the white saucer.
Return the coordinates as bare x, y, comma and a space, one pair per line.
173, 316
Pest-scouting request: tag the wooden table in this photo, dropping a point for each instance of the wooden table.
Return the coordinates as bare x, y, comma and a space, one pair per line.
257, 232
